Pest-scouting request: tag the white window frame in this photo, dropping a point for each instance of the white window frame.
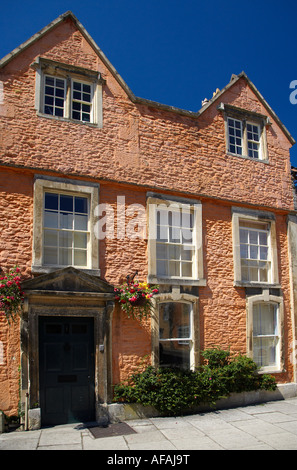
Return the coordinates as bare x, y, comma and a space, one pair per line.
44, 185
153, 205
176, 296
59, 230
91, 103
68, 73
239, 214
54, 96
182, 340
254, 262
277, 301
246, 118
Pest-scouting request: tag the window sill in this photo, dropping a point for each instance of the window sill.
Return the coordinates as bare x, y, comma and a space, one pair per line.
64, 119
245, 157
257, 284
50, 269
270, 370
177, 282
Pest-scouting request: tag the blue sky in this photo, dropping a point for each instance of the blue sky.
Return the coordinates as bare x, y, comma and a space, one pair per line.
177, 52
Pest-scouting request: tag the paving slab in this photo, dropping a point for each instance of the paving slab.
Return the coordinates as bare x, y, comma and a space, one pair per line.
269, 426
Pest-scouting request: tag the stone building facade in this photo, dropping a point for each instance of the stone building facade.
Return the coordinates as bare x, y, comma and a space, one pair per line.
97, 184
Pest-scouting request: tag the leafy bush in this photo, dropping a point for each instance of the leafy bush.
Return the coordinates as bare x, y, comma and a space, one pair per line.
172, 391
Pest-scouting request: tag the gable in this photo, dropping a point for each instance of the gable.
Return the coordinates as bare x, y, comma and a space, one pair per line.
241, 92
68, 22
62, 35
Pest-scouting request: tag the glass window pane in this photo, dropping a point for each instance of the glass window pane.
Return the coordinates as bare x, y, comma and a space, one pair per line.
265, 331
80, 240
264, 319
175, 334
66, 220
65, 257
263, 238
60, 83
75, 115
51, 201
187, 220
77, 95
80, 222
162, 233
59, 112
80, 258
49, 91
187, 253
253, 252
264, 252
86, 97
174, 354
86, 88
76, 106
50, 219
162, 251
187, 269
174, 317
253, 237
85, 117
66, 203
49, 100
51, 238
59, 102
65, 239
264, 351
174, 252
49, 80
174, 235
174, 268
243, 235
187, 235
244, 273
81, 205
264, 275
162, 217
253, 274
50, 256
162, 268
244, 250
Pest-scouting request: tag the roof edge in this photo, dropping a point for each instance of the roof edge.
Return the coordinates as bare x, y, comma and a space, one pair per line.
15, 52
68, 14
234, 78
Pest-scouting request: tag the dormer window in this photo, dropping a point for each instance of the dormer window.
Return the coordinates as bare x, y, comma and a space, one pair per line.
68, 92
245, 133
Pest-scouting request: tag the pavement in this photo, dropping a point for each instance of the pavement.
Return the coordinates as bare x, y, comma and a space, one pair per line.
267, 426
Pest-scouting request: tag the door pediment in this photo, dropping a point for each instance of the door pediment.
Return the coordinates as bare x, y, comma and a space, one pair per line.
67, 280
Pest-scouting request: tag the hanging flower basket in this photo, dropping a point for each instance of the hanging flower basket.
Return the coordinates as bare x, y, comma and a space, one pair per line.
135, 297
11, 295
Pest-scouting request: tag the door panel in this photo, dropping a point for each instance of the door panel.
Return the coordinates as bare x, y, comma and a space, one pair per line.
66, 369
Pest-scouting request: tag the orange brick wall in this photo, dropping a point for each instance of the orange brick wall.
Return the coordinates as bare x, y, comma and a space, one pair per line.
136, 140
139, 148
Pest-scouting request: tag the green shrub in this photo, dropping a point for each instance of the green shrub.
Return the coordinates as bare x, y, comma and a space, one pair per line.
172, 391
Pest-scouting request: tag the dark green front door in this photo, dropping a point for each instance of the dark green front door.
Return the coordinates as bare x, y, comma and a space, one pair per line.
66, 369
